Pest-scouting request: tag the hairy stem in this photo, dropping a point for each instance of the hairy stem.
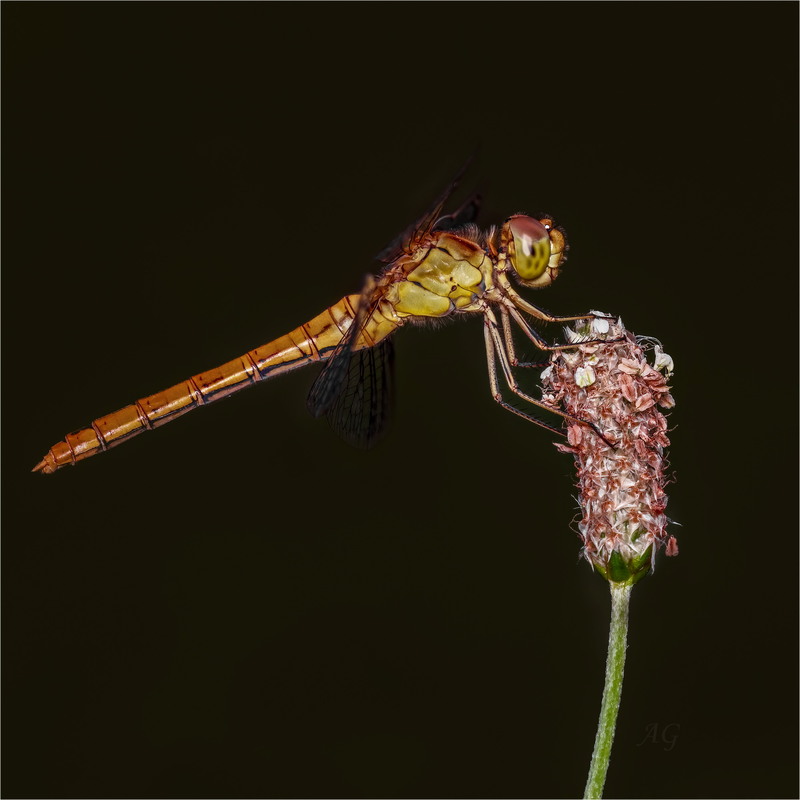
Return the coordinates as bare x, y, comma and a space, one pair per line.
612, 691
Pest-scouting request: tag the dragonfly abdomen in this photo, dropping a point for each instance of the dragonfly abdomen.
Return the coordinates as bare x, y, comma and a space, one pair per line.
313, 341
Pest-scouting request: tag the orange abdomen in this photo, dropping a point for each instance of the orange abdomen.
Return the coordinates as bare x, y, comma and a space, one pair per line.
313, 341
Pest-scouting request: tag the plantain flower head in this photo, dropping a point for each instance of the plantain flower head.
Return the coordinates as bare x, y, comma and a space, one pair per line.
622, 497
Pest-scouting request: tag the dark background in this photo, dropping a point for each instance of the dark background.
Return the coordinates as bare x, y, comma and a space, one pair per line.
240, 605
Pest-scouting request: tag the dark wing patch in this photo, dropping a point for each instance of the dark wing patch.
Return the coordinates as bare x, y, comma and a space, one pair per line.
330, 380
361, 410
328, 385
354, 388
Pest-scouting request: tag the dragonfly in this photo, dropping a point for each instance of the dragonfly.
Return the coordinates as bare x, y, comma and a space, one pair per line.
439, 267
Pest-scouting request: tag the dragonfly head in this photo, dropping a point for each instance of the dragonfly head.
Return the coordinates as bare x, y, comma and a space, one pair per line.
536, 248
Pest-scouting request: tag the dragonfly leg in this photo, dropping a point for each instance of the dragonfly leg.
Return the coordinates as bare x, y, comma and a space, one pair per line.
494, 351
494, 385
542, 344
523, 305
509, 340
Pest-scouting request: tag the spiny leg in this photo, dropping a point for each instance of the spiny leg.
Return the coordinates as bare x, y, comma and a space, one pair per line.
509, 338
494, 345
542, 344
491, 327
494, 386
522, 304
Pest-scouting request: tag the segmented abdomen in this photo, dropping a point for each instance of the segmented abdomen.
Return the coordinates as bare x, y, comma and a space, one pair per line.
313, 341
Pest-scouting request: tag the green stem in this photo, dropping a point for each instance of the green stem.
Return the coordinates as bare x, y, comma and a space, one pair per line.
612, 691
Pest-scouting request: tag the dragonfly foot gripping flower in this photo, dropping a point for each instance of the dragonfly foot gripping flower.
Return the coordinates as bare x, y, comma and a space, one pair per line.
614, 387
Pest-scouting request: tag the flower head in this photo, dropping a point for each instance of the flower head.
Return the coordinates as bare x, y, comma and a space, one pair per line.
614, 388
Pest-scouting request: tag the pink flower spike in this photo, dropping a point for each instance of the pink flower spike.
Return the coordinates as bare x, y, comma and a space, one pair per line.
613, 388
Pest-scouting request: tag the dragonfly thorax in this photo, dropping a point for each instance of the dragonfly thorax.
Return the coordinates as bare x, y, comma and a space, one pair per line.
536, 249
446, 275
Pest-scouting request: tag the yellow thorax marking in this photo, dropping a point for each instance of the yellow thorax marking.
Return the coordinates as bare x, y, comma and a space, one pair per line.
449, 275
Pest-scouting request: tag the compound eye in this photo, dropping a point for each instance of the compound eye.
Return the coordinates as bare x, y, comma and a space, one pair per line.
529, 247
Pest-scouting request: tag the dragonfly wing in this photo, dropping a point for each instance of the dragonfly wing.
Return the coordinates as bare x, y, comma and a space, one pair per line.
467, 213
354, 389
428, 221
362, 408
330, 380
